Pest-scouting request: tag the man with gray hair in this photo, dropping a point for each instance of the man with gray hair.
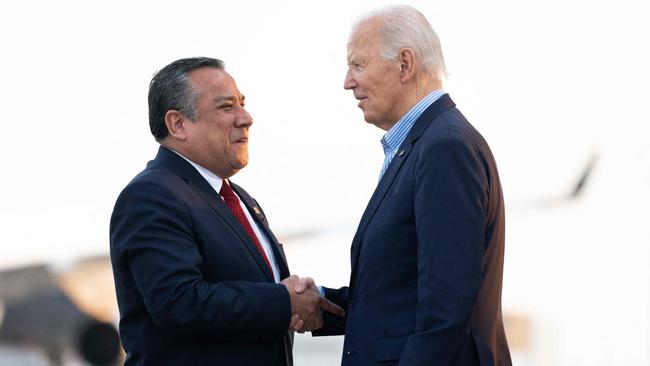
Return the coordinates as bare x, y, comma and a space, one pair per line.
427, 257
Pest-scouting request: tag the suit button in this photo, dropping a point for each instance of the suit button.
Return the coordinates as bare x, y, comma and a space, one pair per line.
348, 353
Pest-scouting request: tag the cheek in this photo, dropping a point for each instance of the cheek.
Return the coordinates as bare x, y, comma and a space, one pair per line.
378, 88
388, 95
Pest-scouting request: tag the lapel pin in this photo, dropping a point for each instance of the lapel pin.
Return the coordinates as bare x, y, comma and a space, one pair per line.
257, 211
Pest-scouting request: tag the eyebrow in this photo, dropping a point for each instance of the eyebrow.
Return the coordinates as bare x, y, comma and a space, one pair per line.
353, 59
228, 98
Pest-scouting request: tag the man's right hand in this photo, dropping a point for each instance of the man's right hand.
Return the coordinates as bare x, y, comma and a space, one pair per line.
307, 283
306, 305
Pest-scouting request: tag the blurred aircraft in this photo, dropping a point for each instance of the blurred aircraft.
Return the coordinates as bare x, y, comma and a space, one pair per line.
577, 265
62, 313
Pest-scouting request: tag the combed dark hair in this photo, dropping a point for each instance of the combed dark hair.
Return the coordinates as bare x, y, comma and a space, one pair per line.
170, 88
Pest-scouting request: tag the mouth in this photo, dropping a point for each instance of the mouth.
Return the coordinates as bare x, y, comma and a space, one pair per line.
361, 100
242, 140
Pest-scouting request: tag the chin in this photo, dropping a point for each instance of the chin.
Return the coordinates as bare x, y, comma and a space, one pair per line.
369, 119
241, 163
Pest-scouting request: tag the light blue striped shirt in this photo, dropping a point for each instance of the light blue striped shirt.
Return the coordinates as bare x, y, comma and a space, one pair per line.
393, 139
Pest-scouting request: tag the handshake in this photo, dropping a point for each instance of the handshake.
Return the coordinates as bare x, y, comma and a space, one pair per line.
307, 304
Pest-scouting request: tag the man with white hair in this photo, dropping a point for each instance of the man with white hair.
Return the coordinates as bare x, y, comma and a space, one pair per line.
427, 258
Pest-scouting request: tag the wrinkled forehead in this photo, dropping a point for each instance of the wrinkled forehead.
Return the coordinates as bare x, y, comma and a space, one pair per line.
370, 24
364, 45
216, 82
365, 35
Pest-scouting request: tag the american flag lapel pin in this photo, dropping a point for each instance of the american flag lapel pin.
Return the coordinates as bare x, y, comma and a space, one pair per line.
258, 212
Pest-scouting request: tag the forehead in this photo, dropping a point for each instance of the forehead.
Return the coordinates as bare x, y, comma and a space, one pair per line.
365, 40
213, 82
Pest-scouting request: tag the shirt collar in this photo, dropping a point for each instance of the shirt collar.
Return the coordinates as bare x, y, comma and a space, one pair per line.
392, 140
212, 179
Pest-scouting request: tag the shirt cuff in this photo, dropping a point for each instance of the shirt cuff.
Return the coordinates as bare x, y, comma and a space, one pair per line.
321, 291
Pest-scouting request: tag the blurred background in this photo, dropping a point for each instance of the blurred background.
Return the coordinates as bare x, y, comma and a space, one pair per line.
559, 88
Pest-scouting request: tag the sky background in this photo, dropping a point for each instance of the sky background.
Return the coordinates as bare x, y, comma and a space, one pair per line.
548, 83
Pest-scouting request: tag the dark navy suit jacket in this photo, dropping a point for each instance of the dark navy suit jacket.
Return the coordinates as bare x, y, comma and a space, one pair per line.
191, 286
427, 258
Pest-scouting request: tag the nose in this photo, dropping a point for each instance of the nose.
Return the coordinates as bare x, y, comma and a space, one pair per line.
350, 82
243, 119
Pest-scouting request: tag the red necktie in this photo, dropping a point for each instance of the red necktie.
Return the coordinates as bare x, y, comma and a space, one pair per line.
233, 204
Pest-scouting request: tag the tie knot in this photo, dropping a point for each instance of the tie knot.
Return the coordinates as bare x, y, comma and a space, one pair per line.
226, 192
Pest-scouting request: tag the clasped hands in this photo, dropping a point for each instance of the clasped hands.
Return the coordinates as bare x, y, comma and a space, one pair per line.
307, 304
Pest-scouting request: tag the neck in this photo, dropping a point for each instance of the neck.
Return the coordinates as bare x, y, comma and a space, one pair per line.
416, 92
423, 87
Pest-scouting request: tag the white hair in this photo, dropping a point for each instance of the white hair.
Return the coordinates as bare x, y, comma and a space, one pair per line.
404, 26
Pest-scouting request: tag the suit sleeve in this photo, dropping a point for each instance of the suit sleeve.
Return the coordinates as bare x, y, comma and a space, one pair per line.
152, 236
450, 196
334, 324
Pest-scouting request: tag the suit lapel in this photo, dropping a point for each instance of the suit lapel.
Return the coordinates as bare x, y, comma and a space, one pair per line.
378, 196
211, 198
429, 114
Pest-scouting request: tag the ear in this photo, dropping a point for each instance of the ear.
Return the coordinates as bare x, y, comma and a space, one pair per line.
407, 64
175, 123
